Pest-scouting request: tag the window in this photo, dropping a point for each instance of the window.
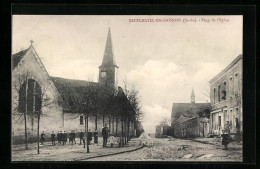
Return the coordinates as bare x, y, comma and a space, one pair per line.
224, 91
231, 118
219, 93
30, 100
236, 84
214, 95
81, 120
219, 120
230, 86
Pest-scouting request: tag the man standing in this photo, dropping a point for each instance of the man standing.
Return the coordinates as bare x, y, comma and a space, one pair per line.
42, 137
237, 131
58, 137
61, 137
89, 137
73, 136
65, 138
81, 135
52, 138
105, 134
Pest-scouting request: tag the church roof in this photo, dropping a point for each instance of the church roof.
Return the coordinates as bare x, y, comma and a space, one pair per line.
17, 57
70, 90
73, 91
108, 58
184, 118
188, 109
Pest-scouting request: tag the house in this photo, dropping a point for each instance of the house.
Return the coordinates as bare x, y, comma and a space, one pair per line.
226, 97
190, 119
33, 90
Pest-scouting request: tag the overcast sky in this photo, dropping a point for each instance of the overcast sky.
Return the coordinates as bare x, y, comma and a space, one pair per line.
163, 60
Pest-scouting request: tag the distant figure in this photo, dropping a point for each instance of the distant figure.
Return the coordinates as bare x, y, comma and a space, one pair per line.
237, 131
59, 137
89, 137
105, 133
81, 135
52, 138
227, 128
225, 139
42, 137
65, 138
111, 140
71, 137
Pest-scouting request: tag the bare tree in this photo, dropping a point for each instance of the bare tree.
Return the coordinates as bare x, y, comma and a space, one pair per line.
165, 122
32, 99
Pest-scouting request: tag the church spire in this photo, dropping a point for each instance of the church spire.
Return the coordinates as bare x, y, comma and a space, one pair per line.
108, 58
192, 97
108, 71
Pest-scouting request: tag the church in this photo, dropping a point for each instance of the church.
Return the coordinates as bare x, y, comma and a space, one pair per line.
190, 119
33, 89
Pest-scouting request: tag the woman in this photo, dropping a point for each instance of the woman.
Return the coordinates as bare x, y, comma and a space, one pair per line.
237, 131
225, 139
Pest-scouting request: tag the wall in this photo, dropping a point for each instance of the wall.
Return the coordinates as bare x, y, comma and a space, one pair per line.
52, 114
227, 109
189, 128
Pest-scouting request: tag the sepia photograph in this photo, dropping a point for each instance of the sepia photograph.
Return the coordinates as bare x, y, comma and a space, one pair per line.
127, 88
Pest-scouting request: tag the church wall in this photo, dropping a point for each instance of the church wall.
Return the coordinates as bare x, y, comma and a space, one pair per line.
52, 114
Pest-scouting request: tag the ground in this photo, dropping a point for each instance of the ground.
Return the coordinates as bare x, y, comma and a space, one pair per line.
163, 149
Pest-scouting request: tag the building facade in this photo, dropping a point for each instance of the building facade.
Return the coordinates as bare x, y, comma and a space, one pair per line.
190, 119
226, 97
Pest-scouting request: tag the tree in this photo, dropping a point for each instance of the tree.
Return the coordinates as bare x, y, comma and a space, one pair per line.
165, 122
32, 98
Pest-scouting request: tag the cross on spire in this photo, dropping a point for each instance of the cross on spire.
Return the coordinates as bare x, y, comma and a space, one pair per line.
31, 42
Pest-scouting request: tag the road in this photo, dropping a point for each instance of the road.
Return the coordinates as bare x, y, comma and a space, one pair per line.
179, 150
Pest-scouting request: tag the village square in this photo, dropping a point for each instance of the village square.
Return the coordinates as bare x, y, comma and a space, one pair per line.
153, 110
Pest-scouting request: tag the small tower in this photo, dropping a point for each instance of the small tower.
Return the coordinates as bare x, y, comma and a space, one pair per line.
108, 69
192, 97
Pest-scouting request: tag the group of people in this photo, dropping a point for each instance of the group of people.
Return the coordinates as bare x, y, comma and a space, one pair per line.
62, 137
226, 134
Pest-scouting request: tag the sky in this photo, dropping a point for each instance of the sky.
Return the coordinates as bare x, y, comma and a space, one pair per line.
162, 56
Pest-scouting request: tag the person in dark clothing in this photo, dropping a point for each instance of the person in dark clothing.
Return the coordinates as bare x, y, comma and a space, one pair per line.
42, 137
65, 138
237, 131
81, 135
59, 137
53, 138
89, 137
105, 134
73, 137
225, 139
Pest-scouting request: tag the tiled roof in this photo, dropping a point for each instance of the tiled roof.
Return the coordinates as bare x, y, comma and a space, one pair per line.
17, 57
188, 109
70, 90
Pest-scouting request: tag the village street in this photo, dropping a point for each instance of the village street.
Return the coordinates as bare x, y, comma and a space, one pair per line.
163, 149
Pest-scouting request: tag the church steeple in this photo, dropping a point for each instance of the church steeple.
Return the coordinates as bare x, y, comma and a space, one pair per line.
108, 58
108, 68
192, 97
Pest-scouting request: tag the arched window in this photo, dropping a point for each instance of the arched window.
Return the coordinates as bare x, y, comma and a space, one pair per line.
30, 100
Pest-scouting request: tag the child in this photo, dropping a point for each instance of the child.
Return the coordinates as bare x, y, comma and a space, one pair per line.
111, 140
225, 139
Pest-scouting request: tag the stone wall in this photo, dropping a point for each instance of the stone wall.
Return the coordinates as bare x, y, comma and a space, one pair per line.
51, 111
